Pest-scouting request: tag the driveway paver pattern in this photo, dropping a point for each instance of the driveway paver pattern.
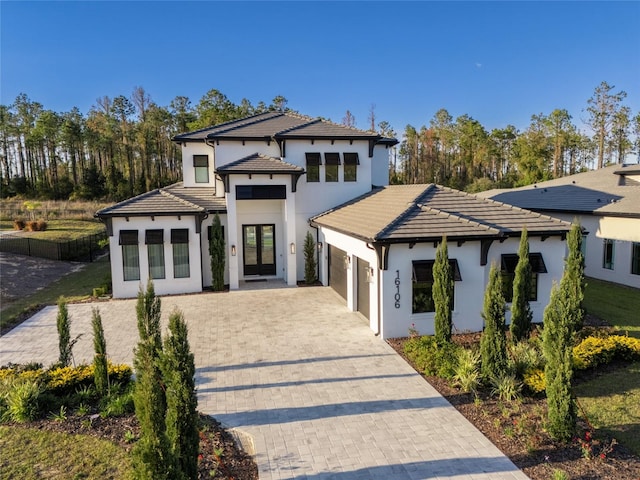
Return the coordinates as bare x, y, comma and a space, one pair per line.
319, 395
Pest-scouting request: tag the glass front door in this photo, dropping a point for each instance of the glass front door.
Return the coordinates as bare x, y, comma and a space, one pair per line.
259, 249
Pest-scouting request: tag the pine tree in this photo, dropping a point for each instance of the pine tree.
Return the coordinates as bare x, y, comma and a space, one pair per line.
557, 349
573, 277
217, 253
442, 292
64, 333
521, 314
309, 259
178, 371
493, 343
100, 371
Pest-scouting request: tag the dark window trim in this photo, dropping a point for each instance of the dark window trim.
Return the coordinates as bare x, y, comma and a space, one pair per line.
154, 237
635, 258
509, 261
313, 158
351, 158
128, 237
261, 192
332, 158
427, 270
179, 235
608, 261
201, 161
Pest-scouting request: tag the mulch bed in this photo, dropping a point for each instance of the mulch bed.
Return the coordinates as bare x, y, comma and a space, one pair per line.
517, 431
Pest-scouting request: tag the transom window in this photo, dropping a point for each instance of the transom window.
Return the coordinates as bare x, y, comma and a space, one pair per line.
180, 247
130, 254
351, 162
154, 239
608, 253
423, 284
332, 162
313, 167
508, 264
201, 168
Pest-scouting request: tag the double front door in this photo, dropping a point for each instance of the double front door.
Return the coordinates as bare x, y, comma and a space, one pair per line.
259, 244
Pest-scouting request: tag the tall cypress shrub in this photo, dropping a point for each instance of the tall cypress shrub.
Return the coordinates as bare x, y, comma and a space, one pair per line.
573, 277
100, 371
309, 259
178, 371
442, 292
521, 314
64, 333
557, 349
493, 343
217, 254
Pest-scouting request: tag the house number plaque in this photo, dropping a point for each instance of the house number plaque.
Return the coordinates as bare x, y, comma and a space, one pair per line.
397, 295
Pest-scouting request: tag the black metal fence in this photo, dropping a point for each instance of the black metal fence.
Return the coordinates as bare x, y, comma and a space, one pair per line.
83, 249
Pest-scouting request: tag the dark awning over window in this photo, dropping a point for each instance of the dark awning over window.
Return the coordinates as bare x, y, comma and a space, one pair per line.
351, 159
201, 160
423, 270
510, 260
313, 158
128, 237
179, 235
261, 192
332, 158
153, 237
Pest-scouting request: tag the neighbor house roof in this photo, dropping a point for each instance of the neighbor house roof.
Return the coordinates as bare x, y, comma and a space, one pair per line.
258, 163
172, 200
280, 126
605, 191
413, 213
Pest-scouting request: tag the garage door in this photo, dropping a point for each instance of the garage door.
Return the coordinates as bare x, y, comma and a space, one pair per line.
363, 287
338, 271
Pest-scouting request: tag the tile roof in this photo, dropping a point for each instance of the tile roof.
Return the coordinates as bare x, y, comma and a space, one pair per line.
172, 200
280, 125
405, 213
600, 192
259, 163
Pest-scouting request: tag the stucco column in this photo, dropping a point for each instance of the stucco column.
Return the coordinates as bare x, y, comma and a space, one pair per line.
232, 228
290, 227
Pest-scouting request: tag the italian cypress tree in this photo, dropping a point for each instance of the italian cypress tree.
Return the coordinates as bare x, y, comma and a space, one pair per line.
309, 259
217, 254
178, 371
556, 345
100, 371
64, 333
442, 293
520, 309
493, 343
573, 277
148, 315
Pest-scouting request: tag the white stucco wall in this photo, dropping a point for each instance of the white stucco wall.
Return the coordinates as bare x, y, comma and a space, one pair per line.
168, 285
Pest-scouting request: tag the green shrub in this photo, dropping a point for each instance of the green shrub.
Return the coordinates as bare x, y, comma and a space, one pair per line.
467, 371
523, 357
100, 370
534, 380
506, 387
309, 259
19, 224
64, 333
432, 359
21, 398
493, 343
594, 351
117, 404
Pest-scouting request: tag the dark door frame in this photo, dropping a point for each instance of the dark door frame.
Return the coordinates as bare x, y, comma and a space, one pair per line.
259, 268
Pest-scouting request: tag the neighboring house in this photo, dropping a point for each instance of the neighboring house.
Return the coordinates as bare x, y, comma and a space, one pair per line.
274, 177
606, 202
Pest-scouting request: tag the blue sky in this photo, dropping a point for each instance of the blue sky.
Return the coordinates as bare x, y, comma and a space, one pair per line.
499, 62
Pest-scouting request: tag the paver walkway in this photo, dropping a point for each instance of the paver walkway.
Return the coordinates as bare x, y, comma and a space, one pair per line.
318, 393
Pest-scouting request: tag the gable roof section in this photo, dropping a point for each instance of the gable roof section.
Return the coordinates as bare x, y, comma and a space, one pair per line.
412, 213
258, 163
598, 192
172, 200
280, 126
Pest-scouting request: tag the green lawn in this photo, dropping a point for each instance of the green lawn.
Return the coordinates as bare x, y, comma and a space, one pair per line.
75, 286
617, 304
35, 454
64, 229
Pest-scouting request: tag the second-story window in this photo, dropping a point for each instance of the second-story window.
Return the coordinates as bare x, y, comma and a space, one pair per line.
331, 162
351, 163
313, 167
201, 168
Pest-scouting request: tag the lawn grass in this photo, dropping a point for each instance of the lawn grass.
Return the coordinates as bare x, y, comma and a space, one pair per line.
617, 304
75, 287
34, 454
63, 230
612, 404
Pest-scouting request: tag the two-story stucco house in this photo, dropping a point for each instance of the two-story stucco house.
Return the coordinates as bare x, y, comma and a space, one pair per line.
275, 176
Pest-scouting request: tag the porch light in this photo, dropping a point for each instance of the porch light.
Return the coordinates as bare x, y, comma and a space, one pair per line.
233, 250
319, 246
292, 248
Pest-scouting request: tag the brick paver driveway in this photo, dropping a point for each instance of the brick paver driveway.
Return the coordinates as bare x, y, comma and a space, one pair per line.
319, 395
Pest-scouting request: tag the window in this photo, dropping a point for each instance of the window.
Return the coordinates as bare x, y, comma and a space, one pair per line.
154, 239
180, 246
423, 283
608, 254
313, 167
635, 258
508, 272
201, 167
261, 192
331, 161
130, 254
351, 162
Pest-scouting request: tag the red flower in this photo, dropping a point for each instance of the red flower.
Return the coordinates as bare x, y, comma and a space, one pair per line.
587, 435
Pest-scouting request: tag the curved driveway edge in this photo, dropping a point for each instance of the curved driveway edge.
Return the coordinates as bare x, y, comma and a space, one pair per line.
319, 394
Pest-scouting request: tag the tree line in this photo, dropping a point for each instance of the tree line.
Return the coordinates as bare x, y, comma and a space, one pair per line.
122, 147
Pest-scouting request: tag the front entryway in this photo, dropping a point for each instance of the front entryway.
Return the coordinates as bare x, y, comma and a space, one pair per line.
259, 243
